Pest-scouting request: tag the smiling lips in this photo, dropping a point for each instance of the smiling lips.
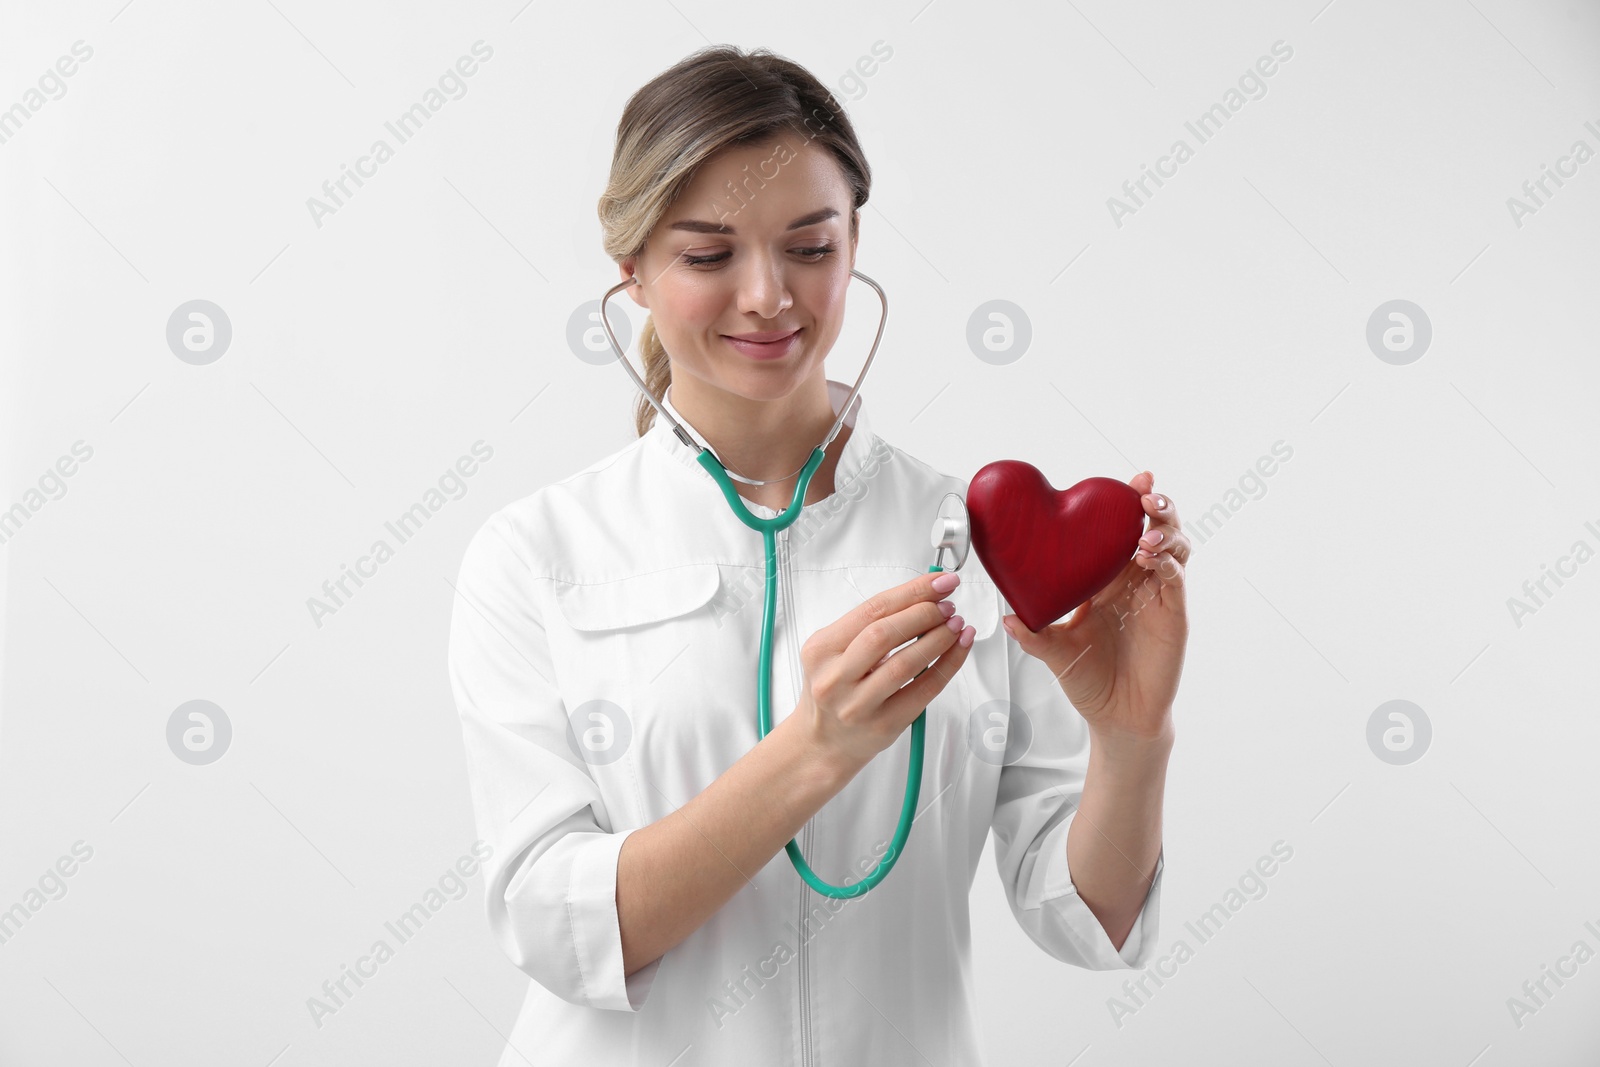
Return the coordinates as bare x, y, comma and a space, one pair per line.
770, 344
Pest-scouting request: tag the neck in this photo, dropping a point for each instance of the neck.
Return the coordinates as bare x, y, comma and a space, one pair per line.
765, 439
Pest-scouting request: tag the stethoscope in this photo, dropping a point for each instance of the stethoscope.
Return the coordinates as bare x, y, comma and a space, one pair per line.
951, 538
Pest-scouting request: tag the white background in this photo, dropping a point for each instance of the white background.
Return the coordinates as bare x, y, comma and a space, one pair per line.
430, 311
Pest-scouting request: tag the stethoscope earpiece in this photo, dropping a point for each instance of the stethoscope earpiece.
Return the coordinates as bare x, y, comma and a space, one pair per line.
951, 534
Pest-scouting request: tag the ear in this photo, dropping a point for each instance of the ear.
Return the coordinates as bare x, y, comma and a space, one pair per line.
628, 267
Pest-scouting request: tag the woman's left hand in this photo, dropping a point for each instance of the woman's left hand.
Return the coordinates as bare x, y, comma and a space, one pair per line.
1119, 655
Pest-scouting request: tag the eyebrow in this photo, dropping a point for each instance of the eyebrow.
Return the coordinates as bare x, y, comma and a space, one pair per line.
700, 226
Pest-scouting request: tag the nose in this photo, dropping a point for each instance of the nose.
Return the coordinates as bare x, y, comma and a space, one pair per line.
763, 288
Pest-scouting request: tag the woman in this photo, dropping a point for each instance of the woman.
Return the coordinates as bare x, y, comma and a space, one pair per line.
604, 650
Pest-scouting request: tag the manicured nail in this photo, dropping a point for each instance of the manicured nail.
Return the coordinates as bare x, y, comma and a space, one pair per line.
967, 637
955, 623
1152, 538
946, 608
946, 582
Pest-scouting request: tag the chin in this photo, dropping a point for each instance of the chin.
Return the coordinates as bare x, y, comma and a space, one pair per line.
751, 379
756, 381
761, 384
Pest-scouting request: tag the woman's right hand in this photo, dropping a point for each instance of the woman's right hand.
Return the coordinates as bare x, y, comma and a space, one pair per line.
856, 698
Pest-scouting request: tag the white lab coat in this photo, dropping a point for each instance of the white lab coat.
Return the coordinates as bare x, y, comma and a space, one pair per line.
616, 613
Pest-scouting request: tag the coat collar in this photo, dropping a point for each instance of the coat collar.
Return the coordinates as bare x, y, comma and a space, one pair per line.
851, 461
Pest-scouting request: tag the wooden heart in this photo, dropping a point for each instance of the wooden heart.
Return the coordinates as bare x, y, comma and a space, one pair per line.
1049, 550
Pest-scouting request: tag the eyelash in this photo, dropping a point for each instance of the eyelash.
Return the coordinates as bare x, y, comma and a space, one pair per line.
817, 255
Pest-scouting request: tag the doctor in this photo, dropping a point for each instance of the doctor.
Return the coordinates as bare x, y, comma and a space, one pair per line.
604, 651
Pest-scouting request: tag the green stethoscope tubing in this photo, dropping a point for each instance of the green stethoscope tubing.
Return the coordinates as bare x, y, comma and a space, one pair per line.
769, 529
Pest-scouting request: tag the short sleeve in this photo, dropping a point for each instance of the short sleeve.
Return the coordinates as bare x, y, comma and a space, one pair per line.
551, 879
1041, 786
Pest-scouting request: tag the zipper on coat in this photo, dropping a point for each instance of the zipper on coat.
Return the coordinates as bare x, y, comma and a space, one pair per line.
786, 597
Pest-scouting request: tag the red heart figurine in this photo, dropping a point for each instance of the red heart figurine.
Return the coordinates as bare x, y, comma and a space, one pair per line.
1049, 550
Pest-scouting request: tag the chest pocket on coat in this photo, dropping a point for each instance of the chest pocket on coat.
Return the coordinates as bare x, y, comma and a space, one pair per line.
648, 664
638, 599
630, 630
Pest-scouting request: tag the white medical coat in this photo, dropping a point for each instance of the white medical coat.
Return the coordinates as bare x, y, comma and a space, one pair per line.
603, 657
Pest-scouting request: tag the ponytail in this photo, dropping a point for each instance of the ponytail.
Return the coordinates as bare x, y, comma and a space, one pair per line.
657, 375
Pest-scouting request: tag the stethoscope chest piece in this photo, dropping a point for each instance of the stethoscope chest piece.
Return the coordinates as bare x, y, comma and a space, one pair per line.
952, 533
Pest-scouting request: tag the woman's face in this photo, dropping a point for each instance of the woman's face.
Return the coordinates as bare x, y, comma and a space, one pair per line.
722, 265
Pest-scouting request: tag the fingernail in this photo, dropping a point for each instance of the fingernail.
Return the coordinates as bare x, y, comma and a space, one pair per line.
1152, 538
1161, 501
967, 637
946, 582
955, 623
946, 608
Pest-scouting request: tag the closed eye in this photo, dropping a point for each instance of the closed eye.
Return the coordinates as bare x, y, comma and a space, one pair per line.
816, 255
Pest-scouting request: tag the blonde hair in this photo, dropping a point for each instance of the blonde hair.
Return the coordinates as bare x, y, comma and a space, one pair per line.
718, 97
